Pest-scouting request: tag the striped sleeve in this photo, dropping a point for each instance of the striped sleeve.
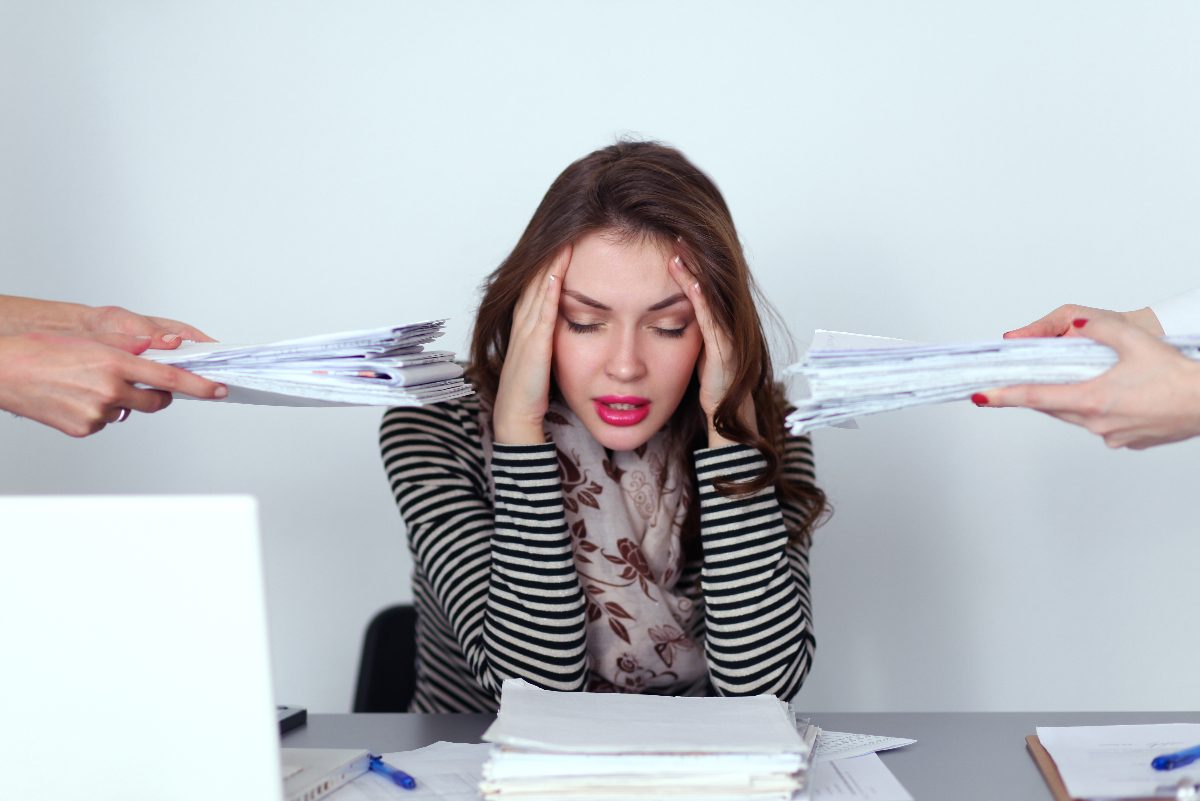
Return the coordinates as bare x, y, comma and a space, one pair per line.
754, 576
503, 575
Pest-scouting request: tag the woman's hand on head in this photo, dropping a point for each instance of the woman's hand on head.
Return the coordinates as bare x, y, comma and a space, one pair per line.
716, 365
523, 396
1061, 322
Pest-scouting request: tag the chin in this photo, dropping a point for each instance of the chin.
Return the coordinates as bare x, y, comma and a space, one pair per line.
621, 439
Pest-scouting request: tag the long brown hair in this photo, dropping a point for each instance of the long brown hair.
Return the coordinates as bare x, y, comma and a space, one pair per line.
646, 189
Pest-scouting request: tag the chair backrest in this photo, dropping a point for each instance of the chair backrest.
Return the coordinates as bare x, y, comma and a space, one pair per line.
387, 671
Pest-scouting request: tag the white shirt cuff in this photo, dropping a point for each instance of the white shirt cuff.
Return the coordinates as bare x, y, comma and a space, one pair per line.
1180, 314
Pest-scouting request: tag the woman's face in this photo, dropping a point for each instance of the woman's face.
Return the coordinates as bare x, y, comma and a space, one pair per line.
626, 340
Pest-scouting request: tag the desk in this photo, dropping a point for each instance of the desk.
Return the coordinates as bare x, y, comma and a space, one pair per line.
959, 756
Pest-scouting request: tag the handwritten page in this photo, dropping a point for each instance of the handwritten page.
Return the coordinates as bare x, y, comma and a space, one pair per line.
1114, 761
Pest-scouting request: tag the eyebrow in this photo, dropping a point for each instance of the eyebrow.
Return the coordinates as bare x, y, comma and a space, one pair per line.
595, 304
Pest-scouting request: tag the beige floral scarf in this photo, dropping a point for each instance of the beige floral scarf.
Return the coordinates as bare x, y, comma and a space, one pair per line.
627, 538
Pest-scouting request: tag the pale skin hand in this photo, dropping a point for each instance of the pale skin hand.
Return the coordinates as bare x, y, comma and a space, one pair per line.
78, 385
1150, 397
523, 397
715, 365
25, 315
1058, 323
163, 333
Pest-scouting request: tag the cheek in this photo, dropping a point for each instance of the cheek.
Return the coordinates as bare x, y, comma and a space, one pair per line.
679, 359
568, 361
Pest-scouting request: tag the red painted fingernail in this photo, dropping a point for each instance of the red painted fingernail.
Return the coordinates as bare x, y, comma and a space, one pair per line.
979, 399
1079, 322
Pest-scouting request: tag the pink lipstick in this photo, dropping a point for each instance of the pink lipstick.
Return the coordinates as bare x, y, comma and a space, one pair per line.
622, 410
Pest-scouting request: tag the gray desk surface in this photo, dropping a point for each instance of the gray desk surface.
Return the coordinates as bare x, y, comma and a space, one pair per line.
959, 756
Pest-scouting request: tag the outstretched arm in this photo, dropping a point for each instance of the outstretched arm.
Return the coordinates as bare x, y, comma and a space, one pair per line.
74, 367
26, 315
79, 386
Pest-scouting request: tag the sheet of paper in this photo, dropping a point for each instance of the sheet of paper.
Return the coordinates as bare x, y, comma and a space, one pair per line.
443, 771
844, 340
863, 778
1114, 761
843, 745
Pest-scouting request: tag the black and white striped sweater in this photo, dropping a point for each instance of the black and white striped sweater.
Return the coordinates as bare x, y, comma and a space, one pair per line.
495, 587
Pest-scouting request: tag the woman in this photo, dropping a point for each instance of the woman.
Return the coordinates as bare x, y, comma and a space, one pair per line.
618, 509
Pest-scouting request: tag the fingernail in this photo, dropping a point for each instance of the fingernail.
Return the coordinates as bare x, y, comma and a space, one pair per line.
552, 277
1079, 322
221, 392
696, 286
979, 399
170, 337
678, 262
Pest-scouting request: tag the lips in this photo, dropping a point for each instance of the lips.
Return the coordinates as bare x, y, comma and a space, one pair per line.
622, 410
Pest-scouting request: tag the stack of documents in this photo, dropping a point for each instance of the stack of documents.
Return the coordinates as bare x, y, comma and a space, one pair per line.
851, 375
378, 367
592, 746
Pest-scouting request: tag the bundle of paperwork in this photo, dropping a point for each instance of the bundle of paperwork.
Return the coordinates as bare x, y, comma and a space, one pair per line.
593, 746
378, 367
851, 375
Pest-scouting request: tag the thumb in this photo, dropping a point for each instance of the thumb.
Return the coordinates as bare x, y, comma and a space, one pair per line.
126, 342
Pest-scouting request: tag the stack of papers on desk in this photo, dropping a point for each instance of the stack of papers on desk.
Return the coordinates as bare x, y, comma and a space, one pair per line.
592, 746
851, 375
377, 367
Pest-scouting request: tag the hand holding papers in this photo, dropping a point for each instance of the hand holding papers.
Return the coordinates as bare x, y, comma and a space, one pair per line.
642, 746
377, 367
852, 376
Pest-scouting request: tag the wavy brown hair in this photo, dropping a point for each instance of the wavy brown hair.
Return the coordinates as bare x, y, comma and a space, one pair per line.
648, 190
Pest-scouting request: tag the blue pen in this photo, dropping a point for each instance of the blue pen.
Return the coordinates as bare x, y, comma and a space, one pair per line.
1177, 759
395, 774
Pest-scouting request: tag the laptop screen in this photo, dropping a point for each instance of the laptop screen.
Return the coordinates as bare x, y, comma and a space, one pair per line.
136, 656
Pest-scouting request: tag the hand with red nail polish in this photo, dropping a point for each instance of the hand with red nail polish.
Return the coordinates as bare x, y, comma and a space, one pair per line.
1150, 397
1065, 321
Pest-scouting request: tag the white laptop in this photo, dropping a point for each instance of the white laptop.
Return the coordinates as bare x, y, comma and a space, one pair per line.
135, 658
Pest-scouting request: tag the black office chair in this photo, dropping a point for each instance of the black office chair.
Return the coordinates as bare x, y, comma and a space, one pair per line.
387, 672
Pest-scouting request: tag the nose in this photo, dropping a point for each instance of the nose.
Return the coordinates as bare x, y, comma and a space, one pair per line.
625, 362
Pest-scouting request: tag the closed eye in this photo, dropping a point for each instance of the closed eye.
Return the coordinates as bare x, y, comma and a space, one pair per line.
581, 328
673, 333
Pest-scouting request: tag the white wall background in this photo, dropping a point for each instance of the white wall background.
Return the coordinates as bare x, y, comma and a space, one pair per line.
929, 170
